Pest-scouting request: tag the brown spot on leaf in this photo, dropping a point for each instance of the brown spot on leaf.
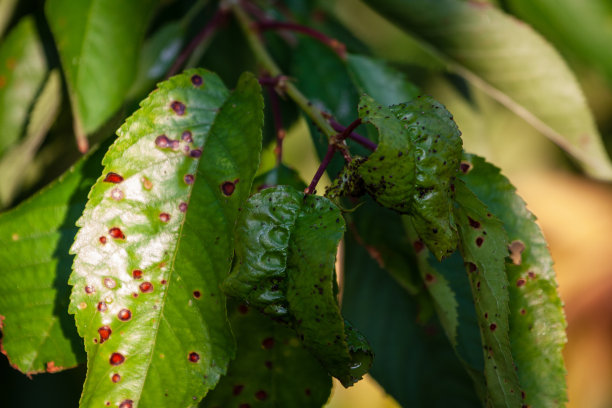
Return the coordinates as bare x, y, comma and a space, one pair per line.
520, 282
197, 294
418, 246
237, 389
516, 248
429, 278
479, 241
492, 326
228, 187
267, 343
473, 223
465, 167
261, 395
52, 368
146, 183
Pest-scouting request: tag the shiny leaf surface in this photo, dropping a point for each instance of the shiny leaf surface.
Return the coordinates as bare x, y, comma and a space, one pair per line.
156, 241
413, 167
537, 323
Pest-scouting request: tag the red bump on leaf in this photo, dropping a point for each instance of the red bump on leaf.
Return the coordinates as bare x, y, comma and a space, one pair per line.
492, 326
113, 178
110, 283
194, 357
116, 233
164, 217
183, 207
103, 240
520, 282
228, 187
479, 241
267, 343
418, 246
89, 289
162, 141
187, 137
473, 223
126, 404
238, 389
195, 153
178, 107
102, 307
115, 378
197, 294
146, 287
124, 315
116, 359
137, 274
261, 395
196, 80
189, 179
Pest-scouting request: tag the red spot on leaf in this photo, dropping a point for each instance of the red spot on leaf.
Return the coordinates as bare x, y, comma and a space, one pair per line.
268, 365
116, 359
261, 395
103, 240
418, 246
479, 241
137, 274
104, 333
520, 282
197, 294
113, 178
183, 207
146, 287
228, 187
429, 278
195, 153
187, 137
102, 307
492, 326
189, 179
178, 107
238, 389
124, 315
116, 233
89, 289
194, 357
164, 217
126, 404
243, 309
52, 368
115, 378
162, 141
473, 223
268, 343
196, 80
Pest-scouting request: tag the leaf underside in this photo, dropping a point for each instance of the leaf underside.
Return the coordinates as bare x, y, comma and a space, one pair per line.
156, 241
537, 323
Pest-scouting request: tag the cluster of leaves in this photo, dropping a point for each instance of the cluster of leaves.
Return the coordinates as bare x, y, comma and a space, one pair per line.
191, 277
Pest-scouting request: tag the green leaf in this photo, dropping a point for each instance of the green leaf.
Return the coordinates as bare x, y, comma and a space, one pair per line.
156, 57
156, 242
537, 323
413, 167
38, 333
414, 361
286, 245
379, 80
98, 42
483, 244
505, 58
271, 369
14, 164
22, 73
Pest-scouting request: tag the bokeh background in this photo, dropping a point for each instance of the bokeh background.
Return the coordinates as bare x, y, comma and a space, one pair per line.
574, 211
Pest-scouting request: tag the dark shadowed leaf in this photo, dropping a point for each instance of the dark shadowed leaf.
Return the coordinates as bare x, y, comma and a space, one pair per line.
156, 241
271, 369
413, 359
537, 323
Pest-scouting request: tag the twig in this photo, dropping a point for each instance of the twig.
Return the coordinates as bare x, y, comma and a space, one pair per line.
338, 47
218, 19
365, 142
331, 149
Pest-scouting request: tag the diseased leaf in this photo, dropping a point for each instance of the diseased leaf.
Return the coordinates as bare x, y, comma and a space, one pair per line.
348, 183
413, 168
512, 63
22, 73
13, 165
414, 361
38, 333
156, 241
379, 80
537, 323
271, 369
286, 245
483, 244
98, 43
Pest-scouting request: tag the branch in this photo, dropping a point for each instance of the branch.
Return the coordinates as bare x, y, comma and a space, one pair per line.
209, 29
266, 61
338, 47
365, 142
331, 149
